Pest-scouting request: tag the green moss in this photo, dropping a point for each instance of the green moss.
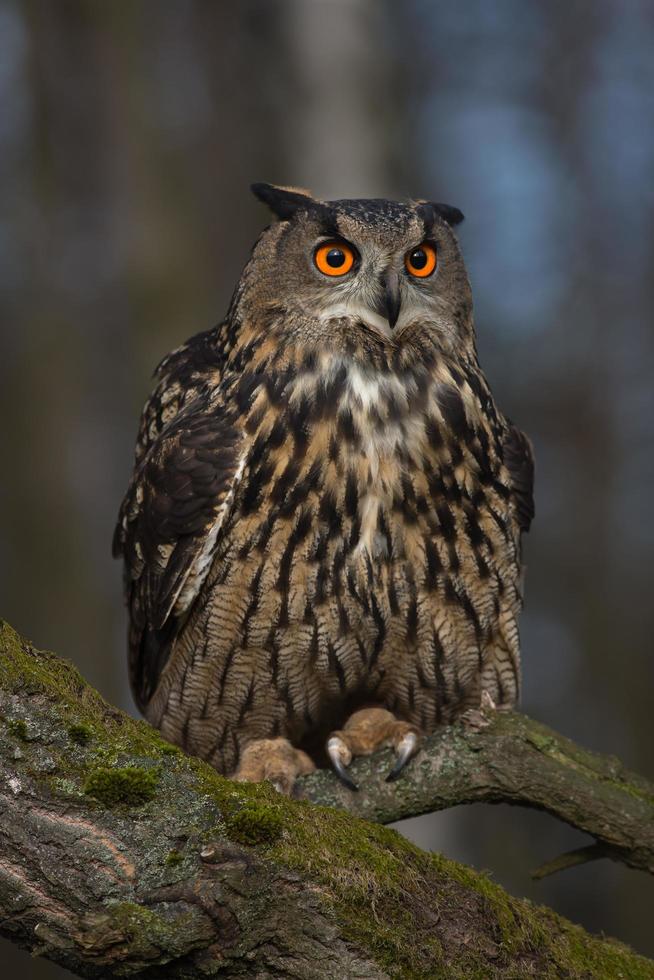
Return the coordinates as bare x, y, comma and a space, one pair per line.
395, 901
513, 929
25, 670
391, 900
382, 889
148, 933
82, 734
23, 667
173, 857
542, 742
364, 881
603, 768
371, 877
130, 786
252, 814
254, 824
133, 919
17, 728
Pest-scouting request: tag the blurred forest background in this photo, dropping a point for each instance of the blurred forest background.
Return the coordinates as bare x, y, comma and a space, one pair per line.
130, 131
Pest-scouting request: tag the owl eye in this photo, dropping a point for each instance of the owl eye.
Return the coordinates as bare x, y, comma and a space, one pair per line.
334, 258
421, 261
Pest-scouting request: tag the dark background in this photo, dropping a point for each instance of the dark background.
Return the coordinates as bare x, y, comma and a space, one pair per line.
129, 134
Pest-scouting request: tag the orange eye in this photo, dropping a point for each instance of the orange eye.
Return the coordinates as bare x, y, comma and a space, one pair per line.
421, 261
334, 258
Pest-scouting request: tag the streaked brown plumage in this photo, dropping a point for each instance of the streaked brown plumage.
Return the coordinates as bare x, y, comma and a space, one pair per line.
327, 507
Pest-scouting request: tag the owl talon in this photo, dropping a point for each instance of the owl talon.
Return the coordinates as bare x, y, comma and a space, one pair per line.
366, 731
341, 757
487, 703
406, 748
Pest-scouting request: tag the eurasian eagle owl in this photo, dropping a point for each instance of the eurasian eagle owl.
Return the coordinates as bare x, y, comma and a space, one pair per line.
322, 533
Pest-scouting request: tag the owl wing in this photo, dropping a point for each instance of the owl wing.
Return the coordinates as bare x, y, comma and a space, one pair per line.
181, 376
168, 527
519, 461
189, 458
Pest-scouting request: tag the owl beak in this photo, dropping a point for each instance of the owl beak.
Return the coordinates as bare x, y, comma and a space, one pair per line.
390, 301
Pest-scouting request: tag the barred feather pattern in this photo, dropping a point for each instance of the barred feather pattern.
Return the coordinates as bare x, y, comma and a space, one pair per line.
358, 543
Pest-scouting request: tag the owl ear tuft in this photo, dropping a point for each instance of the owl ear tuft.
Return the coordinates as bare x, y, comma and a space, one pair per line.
429, 210
445, 211
283, 201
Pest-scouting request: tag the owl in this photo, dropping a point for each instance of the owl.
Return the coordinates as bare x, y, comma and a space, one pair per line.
322, 534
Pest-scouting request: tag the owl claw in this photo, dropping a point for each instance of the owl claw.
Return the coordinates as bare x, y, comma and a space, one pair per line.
405, 749
341, 757
487, 702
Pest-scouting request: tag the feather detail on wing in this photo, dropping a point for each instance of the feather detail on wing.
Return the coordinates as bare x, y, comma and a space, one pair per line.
169, 525
187, 467
181, 376
519, 461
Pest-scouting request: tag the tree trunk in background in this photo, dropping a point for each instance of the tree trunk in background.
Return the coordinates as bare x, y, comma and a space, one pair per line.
340, 85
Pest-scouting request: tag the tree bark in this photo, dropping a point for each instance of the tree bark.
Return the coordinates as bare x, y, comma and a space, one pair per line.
122, 856
506, 758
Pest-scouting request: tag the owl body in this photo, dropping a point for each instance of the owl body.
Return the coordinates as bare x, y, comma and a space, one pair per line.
326, 512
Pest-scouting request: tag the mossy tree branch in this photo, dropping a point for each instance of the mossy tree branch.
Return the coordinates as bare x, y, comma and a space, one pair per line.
506, 758
121, 856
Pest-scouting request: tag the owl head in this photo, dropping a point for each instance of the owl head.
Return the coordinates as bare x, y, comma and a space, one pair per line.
380, 264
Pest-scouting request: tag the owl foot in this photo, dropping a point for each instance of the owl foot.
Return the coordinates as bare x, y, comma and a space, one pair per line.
273, 760
366, 731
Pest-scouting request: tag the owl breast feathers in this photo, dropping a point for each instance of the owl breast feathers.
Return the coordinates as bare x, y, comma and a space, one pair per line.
326, 509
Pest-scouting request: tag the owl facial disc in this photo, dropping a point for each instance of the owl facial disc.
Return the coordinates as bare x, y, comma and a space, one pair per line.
386, 266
